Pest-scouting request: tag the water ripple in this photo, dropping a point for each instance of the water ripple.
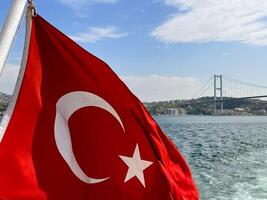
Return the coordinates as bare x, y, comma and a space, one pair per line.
227, 155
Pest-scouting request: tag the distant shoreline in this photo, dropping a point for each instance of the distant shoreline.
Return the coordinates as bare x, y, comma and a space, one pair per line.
242, 107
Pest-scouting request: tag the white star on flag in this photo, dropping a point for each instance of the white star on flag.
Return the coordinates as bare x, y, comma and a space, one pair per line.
136, 166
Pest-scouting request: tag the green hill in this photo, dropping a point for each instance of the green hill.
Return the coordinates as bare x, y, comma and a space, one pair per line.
195, 107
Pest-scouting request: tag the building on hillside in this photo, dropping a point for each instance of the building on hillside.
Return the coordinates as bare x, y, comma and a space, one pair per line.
228, 112
176, 111
262, 112
240, 110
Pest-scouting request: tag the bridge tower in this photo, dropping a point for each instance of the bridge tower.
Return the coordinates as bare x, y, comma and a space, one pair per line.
218, 87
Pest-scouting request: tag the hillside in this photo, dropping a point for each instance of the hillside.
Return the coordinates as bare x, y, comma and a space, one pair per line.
231, 107
5, 99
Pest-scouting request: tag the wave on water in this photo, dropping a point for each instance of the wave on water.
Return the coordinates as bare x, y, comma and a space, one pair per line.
227, 155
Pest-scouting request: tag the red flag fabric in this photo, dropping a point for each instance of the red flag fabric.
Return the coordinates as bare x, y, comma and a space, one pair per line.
77, 132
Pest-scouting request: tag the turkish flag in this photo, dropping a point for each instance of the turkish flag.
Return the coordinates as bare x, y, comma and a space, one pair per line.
77, 132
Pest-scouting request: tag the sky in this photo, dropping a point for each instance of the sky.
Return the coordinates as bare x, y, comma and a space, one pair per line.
162, 49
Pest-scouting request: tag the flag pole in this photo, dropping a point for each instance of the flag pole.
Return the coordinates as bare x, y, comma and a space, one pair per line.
31, 12
10, 29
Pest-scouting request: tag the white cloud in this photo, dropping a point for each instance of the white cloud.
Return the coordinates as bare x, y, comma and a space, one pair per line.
146, 88
161, 88
94, 34
8, 78
202, 21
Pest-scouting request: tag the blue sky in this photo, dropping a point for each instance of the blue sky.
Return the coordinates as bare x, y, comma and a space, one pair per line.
162, 49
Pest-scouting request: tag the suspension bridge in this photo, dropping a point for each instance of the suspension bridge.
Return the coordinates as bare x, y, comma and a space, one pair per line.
223, 88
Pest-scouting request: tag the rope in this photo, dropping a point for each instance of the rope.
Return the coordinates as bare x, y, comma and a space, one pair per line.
31, 6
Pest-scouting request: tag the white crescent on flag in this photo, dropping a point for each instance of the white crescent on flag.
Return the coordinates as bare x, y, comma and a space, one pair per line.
65, 107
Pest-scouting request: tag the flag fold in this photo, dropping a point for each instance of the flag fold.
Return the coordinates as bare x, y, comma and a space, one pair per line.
77, 132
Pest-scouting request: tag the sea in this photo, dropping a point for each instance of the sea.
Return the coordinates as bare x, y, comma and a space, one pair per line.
227, 154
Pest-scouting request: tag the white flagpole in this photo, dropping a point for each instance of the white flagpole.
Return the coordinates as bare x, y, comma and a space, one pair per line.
5, 121
10, 29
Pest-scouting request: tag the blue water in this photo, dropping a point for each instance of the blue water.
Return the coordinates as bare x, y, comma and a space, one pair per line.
227, 155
